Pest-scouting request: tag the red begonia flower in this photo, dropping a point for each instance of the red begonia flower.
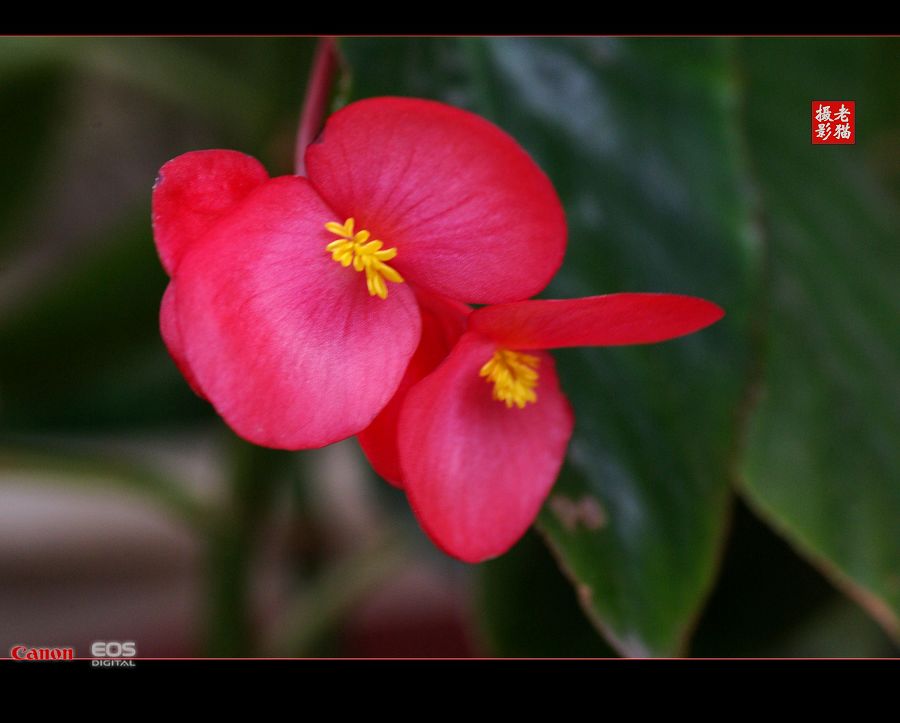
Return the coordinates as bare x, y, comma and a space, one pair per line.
482, 438
266, 314
443, 323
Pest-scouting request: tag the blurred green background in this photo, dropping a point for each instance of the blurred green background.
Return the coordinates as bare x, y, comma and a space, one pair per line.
733, 493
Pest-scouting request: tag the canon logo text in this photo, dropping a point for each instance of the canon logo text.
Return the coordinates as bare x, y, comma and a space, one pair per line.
23, 652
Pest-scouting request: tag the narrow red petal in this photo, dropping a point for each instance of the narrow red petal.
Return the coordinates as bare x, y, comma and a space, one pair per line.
443, 322
171, 335
471, 214
192, 191
611, 320
476, 472
287, 344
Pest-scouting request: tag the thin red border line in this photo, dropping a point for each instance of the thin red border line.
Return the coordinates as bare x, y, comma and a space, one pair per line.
466, 35
476, 659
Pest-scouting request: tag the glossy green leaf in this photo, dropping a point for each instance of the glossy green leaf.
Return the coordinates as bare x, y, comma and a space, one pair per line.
821, 461
640, 138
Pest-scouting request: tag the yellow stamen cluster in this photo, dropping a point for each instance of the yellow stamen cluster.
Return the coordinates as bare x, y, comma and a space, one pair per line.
365, 255
514, 376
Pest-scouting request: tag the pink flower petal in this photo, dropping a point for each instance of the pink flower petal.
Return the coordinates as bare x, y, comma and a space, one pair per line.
611, 320
192, 192
287, 344
477, 472
471, 214
171, 335
443, 322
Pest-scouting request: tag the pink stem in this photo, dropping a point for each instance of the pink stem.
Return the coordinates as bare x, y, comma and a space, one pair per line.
315, 104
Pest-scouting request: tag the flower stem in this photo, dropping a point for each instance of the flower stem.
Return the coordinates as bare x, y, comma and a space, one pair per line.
255, 475
318, 89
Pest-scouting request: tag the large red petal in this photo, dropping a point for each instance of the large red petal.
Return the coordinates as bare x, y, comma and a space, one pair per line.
171, 335
192, 191
471, 214
475, 471
443, 322
287, 344
611, 320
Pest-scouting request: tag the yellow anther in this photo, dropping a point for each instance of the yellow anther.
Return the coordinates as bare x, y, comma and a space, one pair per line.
514, 376
369, 256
